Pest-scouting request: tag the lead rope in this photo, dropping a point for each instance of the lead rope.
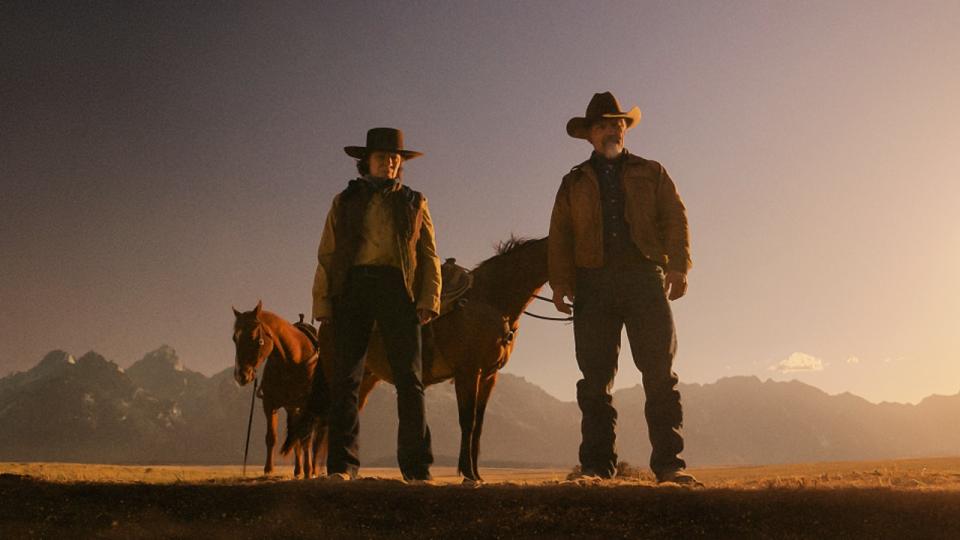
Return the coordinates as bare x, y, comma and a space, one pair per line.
246, 446
535, 316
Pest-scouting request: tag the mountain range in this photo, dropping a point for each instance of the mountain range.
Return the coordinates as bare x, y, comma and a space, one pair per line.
88, 409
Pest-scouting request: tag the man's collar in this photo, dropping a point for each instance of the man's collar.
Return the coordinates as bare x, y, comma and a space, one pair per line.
596, 158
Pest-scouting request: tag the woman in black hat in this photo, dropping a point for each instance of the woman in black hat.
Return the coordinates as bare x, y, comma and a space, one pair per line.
377, 262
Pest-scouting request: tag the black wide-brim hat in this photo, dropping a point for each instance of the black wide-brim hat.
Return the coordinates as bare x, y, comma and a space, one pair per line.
601, 106
382, 139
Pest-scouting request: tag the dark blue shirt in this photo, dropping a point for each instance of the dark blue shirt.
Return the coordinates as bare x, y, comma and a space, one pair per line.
616, 237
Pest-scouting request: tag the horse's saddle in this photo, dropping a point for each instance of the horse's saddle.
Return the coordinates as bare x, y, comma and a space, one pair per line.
308, 330
456, 280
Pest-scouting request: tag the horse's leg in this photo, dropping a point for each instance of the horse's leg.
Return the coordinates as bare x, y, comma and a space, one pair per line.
308, 469
297, 456
466, 383
292, 419
483, 396
319, 446
271, 439
367, 384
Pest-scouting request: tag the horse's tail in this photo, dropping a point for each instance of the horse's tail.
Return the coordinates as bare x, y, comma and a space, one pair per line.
299, 433
318, 406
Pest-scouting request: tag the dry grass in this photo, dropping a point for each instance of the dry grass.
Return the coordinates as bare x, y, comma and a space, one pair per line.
150, 474
167, 474
892, 499
928, 473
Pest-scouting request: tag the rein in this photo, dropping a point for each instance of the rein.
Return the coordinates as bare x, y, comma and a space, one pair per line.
246, 446
542, 317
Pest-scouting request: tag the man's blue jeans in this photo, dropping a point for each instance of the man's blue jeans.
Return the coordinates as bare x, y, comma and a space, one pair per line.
626, 294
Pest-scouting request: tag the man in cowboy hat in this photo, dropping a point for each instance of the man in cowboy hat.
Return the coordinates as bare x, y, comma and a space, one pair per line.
619, 248
377, 262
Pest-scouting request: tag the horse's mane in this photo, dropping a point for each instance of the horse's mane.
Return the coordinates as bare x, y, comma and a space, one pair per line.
512, 243
506, 247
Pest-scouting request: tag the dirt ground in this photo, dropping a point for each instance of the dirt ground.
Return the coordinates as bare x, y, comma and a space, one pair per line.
891, 499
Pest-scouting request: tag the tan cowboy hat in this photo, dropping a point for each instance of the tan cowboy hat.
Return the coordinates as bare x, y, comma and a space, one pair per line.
601, 106
383, 139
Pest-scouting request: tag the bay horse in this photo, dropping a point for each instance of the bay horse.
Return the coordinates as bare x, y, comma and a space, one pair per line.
469, 344
261, 336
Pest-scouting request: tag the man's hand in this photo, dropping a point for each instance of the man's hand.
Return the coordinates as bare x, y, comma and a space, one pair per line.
562, 306
675, 284
425, 316
324, 321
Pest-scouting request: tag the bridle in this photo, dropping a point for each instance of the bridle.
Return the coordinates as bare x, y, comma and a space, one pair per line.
256, 381
264, 334
263, 330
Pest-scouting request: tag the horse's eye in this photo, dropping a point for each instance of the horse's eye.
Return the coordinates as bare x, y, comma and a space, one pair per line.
261, 342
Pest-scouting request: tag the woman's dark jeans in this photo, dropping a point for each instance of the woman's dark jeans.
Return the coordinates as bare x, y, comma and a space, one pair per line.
377, 294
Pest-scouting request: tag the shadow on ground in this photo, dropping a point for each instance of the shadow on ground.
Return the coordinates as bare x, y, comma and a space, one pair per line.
387, 508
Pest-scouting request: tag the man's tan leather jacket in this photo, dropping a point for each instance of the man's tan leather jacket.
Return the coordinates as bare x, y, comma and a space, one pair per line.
654, 213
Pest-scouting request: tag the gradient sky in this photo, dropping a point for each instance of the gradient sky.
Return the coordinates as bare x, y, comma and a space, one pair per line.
160, 164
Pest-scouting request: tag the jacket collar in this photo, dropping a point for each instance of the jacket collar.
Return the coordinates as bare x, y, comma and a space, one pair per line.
596, 158
381, 184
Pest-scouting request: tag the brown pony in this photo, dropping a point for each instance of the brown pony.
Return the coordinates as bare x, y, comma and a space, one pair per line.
261, 336
469, 344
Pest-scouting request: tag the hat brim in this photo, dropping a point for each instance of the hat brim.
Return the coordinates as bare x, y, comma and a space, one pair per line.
360, 152
578, 127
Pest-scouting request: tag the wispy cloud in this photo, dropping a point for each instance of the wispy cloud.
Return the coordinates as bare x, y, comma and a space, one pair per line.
853, 360
799, 361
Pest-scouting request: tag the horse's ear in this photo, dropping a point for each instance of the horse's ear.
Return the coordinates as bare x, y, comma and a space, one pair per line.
258, 309
235, 312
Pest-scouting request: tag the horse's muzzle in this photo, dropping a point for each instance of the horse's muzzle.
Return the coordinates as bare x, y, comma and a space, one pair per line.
243, 376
